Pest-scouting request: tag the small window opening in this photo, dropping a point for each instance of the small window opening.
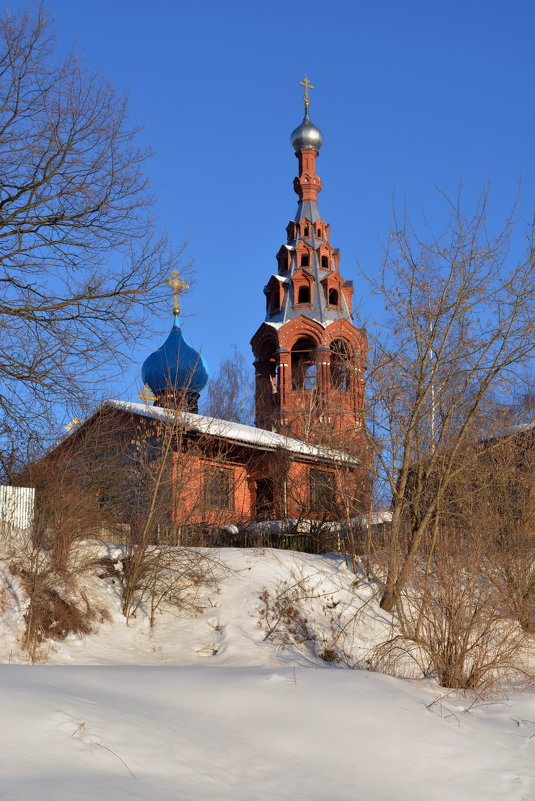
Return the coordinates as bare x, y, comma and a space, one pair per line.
304, 260
303, 295
340, 372
310, 376
305, 230
318, 232
266, 378
325, 262
265, 497
218, 488
303, 362
322, 491
333, 297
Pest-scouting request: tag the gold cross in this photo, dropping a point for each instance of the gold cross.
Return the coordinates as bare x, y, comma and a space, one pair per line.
147, 395
306, 83
178, 286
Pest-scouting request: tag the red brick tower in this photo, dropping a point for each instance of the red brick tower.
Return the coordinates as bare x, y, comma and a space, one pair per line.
309, 356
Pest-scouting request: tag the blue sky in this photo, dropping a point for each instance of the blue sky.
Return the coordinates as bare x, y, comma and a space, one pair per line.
410, 96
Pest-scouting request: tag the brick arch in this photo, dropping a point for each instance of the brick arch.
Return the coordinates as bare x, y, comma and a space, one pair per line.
351, 345
265, 337
301, 327
343, 329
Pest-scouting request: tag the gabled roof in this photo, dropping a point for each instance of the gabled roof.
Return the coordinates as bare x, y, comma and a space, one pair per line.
235, 432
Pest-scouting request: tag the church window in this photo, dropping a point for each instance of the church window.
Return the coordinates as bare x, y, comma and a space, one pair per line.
322, 491
319, 232
218, 488
333, 297
325, 262
266, 381
264, 499
310, 376
340, 372
303, 294
305, 230
304, 260
304, 365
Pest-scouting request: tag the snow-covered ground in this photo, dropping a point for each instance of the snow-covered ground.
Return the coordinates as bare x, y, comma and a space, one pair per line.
203, 707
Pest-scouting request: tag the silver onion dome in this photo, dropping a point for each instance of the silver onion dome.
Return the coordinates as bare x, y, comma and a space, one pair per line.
306, 136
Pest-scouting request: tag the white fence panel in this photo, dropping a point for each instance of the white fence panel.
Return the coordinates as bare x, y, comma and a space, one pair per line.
16, 507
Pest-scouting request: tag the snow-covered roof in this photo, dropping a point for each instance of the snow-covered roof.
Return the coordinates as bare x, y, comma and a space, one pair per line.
235, 432
323, 323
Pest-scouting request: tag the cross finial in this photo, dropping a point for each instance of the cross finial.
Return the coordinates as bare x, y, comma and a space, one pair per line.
177, 285
306, 83
147, 396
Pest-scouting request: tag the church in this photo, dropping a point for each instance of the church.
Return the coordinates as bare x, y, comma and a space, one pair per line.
306, 457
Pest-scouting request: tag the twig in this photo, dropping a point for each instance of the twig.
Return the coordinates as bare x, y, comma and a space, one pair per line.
118, 757
81, 726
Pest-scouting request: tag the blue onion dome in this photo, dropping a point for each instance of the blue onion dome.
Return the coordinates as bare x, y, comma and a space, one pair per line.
175, 365
306, 136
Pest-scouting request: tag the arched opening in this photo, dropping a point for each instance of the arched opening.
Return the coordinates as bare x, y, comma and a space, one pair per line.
340, 366
274, 300
303, 295
305, 230
304, 364
325, 262
304, 260
266, 379
333, 297
318, 232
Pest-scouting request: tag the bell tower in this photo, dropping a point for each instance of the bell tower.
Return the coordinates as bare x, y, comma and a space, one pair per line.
309, 355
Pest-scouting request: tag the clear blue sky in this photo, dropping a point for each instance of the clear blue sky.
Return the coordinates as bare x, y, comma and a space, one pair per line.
410, 96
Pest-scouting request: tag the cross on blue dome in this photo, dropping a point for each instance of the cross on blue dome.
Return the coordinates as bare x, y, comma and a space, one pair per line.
175, 366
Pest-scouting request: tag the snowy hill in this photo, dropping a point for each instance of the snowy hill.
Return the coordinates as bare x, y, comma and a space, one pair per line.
240, 694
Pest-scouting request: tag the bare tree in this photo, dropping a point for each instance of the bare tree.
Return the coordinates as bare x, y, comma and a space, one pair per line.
230, 394
80, 262
455, 618
459, 337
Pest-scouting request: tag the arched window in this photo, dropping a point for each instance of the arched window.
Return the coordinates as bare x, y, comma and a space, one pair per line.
275, 299
340, 366
304, 260
310, 376
318, 232
303, 294
333, 297
266, 377
325, 262
303, 363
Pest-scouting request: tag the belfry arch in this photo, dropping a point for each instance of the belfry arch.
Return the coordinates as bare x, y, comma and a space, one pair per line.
303, 365
340, 365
